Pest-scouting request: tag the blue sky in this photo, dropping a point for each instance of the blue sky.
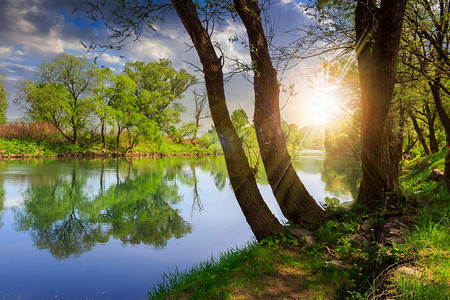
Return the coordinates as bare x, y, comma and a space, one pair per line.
33, 31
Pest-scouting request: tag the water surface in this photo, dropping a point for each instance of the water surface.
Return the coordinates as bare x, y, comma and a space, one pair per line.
108, 229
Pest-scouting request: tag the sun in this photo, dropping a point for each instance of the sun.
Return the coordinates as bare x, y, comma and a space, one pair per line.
325, 106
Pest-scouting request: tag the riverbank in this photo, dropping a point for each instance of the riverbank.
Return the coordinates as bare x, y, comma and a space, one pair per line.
402, 253
19, 149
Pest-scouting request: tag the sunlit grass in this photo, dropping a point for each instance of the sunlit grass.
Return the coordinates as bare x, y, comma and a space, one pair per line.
428, 243
266, 270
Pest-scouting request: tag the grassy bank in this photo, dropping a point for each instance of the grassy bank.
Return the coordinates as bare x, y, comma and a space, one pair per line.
339, 265
41, 139
35, 148
426, 251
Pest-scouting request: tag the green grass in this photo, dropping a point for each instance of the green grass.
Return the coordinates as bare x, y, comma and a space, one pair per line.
25, 147
29, 147
429, 249
256, 271
428, 244
210, 279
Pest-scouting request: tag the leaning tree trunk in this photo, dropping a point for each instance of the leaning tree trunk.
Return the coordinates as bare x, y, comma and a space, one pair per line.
378, 37
294, 200
420, 135
445, 120
262, 222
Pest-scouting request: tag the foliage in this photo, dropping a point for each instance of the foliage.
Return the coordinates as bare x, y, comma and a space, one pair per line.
159, 87
78, 98
187, 129
3, 102
427, 245
210, 140
62, 95
25, 147
239, 118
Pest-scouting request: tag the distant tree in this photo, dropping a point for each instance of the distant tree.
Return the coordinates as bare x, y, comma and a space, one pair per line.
187, 129
102, 108
239, 118
62, 94
3, 102
200, 102
159, 87
125, 115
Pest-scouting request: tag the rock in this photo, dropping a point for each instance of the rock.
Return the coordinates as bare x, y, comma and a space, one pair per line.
338, 263
408, 271
302, 235
393, 231
358, 239
436, 175
366, 226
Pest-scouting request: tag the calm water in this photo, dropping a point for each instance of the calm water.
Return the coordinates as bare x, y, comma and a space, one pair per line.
108, 229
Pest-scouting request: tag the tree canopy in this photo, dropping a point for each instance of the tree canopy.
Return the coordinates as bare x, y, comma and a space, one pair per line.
159, 89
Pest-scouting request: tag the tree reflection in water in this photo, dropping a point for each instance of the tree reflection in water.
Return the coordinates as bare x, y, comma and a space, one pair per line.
70, 206
341, 175
66, 217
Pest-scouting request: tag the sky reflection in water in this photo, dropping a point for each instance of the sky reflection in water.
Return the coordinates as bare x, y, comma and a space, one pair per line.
108, 229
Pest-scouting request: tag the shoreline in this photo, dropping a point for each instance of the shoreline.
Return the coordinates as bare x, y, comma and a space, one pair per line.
107, 155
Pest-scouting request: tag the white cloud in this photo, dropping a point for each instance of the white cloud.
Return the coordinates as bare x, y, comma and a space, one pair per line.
111, 59
5, 51
11, 66
152, 49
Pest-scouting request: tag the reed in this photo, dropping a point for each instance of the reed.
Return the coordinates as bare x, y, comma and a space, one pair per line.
36, 131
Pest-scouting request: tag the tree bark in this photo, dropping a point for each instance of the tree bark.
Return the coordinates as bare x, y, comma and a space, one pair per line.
294, 200
102, 120
378, 37
443, 116
262, 222
445, 121
420, 135
431, 118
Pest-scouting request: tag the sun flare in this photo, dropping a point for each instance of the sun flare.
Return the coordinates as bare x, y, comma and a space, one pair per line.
325, 107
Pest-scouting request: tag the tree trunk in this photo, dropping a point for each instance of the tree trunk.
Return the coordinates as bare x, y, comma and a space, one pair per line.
420, 135
119, 131
294, 200
443, 116
431, 118
262, 222
378, 37
74, 131
445, 120
102, 120
447, 170
75, 134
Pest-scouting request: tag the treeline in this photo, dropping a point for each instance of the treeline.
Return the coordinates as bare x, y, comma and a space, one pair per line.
87, 105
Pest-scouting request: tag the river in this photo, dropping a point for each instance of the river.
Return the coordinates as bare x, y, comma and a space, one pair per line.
109, 229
